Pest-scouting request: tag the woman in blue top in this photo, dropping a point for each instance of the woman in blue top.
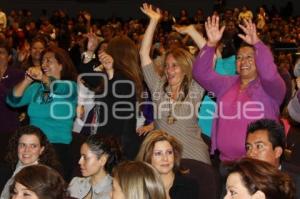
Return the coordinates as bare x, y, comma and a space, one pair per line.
51, 95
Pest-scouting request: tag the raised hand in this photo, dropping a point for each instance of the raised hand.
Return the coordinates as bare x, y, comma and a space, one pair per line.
93, 42
87, 15
185, 29
250, 35
193, 33
213, 31
150, 12
23, 53
106, 60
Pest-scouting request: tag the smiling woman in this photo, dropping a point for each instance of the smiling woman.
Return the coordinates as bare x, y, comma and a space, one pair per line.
177, 92
258, 84
255, 179
28, 146
51, 95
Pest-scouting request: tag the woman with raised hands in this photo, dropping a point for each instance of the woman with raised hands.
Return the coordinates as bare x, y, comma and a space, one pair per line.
117, 93
175, 95
256, 92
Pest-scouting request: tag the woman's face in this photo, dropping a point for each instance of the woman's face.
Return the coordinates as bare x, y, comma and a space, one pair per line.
163, 157
29, 149
36, 50
235, 188
117, 192
50, 65
90, 164
173, 71
245, 62
22, 192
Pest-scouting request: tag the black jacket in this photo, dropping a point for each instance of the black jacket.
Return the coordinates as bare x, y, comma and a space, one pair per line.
184, 187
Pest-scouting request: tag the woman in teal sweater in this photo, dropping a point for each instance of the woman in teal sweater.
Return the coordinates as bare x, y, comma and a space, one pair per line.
51, 95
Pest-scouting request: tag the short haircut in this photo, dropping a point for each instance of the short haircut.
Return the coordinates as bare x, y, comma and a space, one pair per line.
275, 131
257, 175
44, 181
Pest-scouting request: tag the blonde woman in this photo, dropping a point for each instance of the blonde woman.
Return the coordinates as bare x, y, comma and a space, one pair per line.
137, 180
176, 95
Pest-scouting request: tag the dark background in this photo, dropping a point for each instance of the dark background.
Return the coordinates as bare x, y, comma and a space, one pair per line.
130, 8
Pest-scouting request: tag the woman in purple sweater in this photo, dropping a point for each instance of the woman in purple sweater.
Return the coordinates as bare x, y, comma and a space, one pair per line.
256, 92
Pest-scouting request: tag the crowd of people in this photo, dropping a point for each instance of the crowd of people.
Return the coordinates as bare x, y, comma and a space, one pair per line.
144, 96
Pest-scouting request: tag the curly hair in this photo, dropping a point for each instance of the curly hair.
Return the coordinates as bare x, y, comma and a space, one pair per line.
44, 181
258, 175
100, 145
48, 157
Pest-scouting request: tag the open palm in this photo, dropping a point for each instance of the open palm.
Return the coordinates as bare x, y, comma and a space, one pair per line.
250, 35
150, 12
213, 31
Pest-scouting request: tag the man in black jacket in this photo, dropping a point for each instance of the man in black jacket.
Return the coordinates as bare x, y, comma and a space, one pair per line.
266, 141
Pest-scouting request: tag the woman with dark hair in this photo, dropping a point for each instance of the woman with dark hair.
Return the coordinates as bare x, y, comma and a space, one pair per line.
176, 95
119, 89
32, 56
50, 92
249, 178
38, 182
29, 56
26, 147
163, 152
255, 92
99, 155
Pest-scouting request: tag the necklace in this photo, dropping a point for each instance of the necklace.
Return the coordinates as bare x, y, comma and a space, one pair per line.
171, 119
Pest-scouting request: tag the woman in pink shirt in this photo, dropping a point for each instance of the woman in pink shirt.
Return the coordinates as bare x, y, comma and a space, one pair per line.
256, 92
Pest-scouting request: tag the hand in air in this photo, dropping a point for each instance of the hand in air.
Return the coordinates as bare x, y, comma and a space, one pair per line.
213, 30
250, 35
150, 12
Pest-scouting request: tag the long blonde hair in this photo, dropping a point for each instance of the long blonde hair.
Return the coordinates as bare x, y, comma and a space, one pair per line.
139, 180
184, 60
